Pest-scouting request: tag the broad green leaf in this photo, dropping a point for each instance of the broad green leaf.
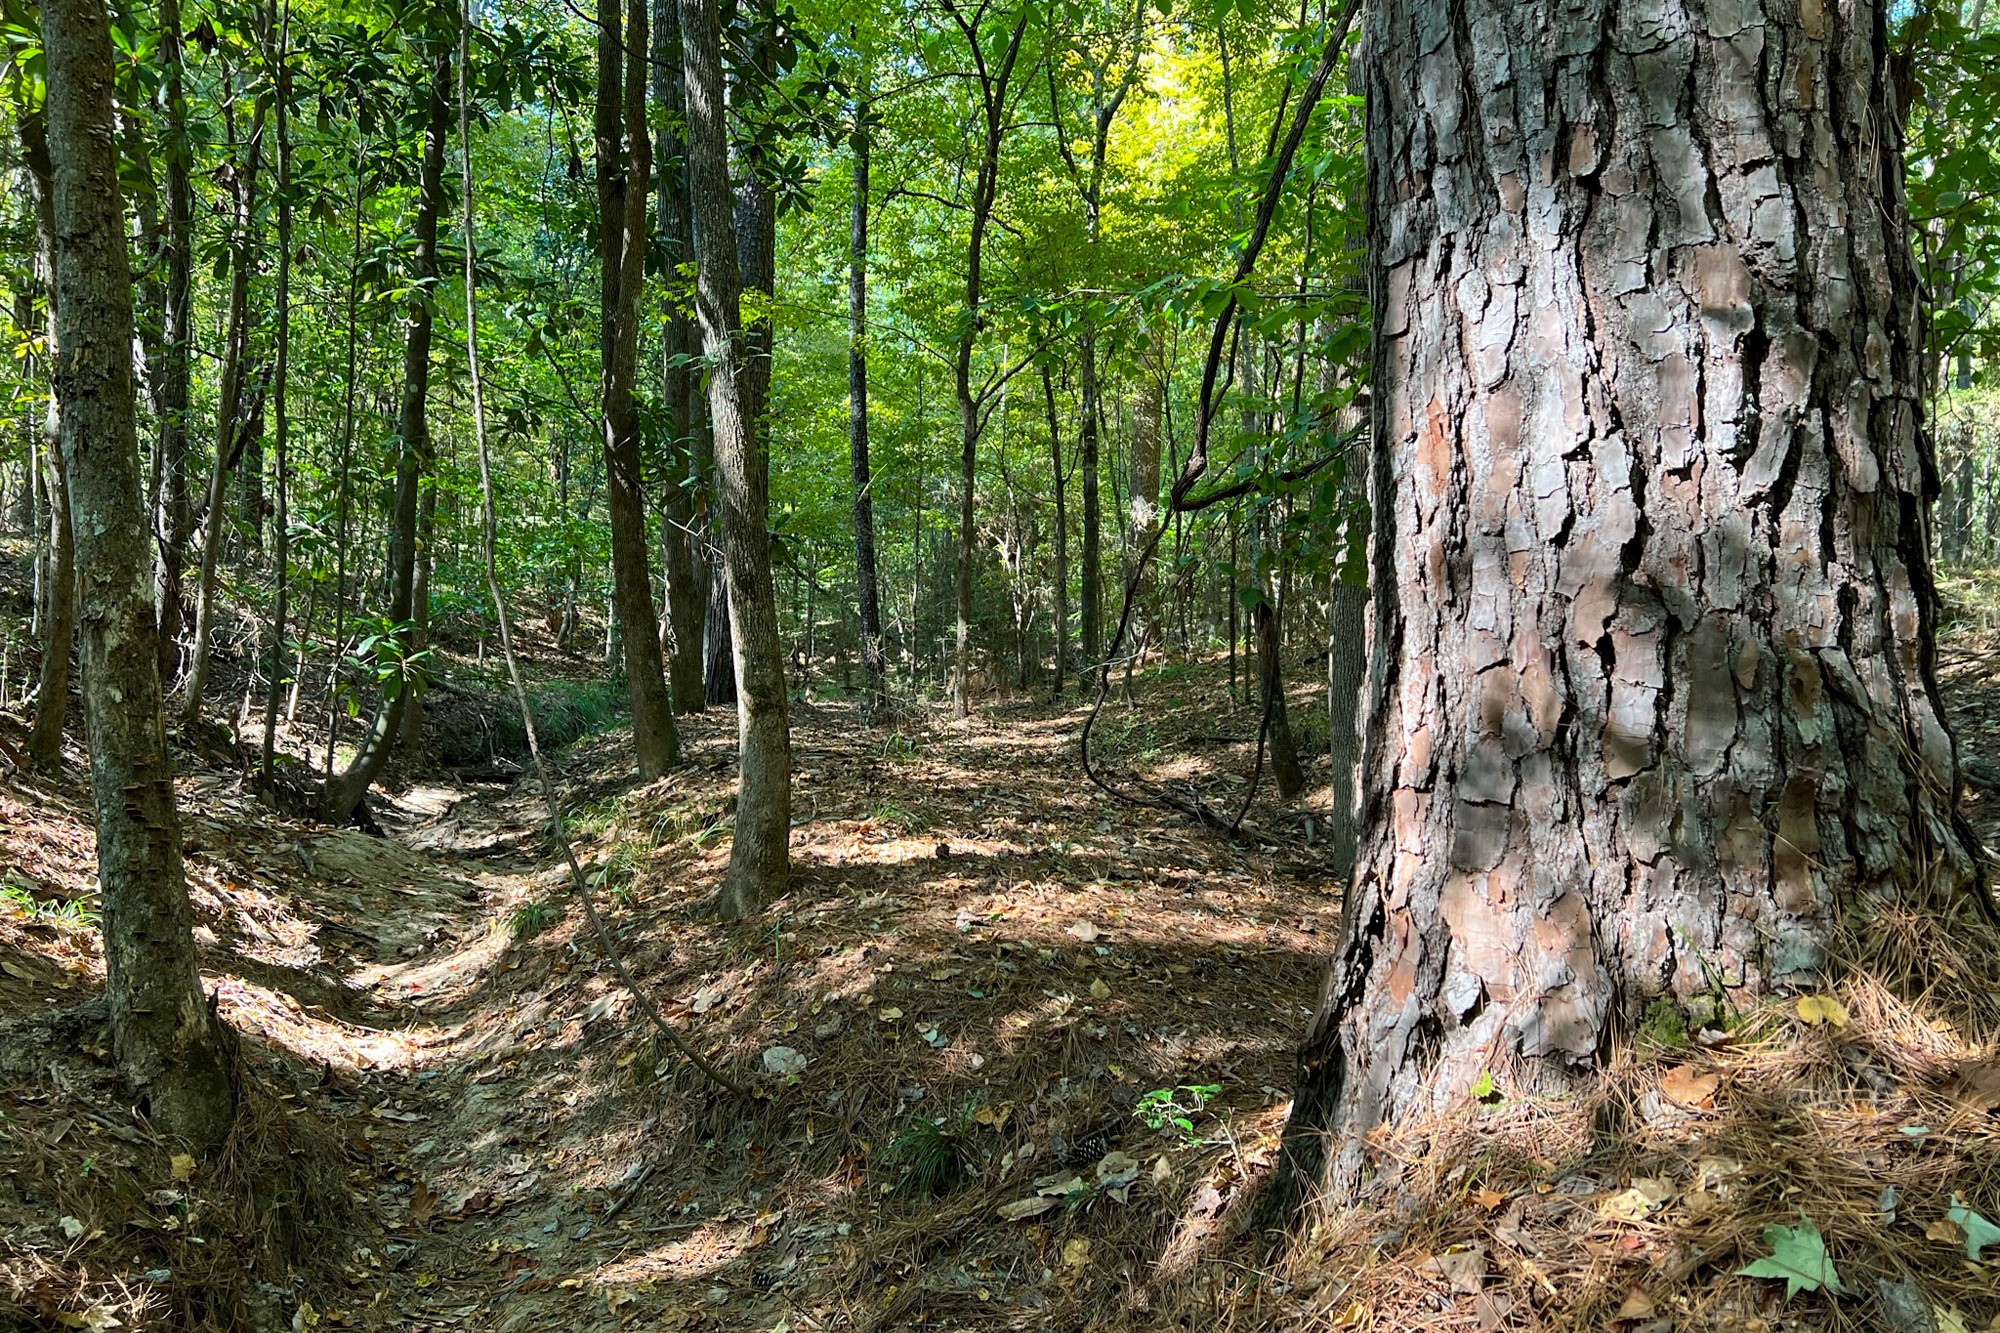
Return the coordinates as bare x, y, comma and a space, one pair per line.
1798, 1257
1979, 1233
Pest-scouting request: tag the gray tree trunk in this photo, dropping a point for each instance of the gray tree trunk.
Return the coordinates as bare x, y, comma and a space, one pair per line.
170, 1045
58, 623
760, 854
1652, 698
1059, 614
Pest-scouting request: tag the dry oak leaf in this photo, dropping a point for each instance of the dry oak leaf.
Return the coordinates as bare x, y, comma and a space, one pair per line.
1682, 1084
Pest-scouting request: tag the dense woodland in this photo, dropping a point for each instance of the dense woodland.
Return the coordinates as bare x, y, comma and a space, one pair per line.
1524, 476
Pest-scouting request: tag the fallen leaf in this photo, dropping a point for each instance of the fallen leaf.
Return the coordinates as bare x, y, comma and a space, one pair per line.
1098, 990
1816, 1009
1021, 1209
1075, 1253
1084, 931
1638, 1203
1464, 1267
1979, 1233
1488, 1199
1682, 1084
993, 1117
783, 1060
889, 1015
1798, 1257
182, 1165
1638, 1305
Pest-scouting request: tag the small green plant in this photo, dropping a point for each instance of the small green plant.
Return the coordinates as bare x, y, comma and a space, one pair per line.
531, 919
896, 816
62, 913
1176, 1107
935, 1156
900, 748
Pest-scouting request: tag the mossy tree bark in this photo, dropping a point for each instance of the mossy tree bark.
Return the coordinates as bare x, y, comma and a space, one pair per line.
1653, 700
169, 1043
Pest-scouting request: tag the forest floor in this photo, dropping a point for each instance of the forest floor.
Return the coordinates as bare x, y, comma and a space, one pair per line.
1014, 1056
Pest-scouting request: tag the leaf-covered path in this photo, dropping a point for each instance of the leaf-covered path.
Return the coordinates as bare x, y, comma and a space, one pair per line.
968, 1033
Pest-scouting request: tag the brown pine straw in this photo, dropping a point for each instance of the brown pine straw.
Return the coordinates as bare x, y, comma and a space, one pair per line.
1805, 1120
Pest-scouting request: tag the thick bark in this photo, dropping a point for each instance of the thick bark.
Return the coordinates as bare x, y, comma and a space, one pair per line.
174, 518
867, 594
343, 791
760, 854
624, 170
229, 398
1059, 485
994, 78
1652, 697
169, 1043
683, 545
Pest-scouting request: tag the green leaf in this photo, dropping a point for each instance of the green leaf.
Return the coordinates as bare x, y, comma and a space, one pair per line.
1798, 1256
1979, 1233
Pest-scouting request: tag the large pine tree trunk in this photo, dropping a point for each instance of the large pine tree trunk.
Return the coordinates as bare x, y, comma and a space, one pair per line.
1654, 700
760, 853
867, 595
169, 1043
345, 790
624, 166
684, 546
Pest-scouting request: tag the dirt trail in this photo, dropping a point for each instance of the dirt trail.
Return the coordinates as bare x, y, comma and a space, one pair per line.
976, 949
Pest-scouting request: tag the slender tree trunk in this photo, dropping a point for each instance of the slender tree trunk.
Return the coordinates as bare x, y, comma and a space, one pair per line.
760, 855
1653, 699
624, 169
1347, 656
45, 737
684, 545
345, 790
993, 85
867, 595
1059, 615
1090, 622
228, 412
411, 736
280, 420
1269, 621
176, 338
170, 1045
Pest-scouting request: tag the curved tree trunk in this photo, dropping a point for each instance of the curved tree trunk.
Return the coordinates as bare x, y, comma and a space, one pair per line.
343, 791
624, 169
169, 1043
760, 853
1654, 699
